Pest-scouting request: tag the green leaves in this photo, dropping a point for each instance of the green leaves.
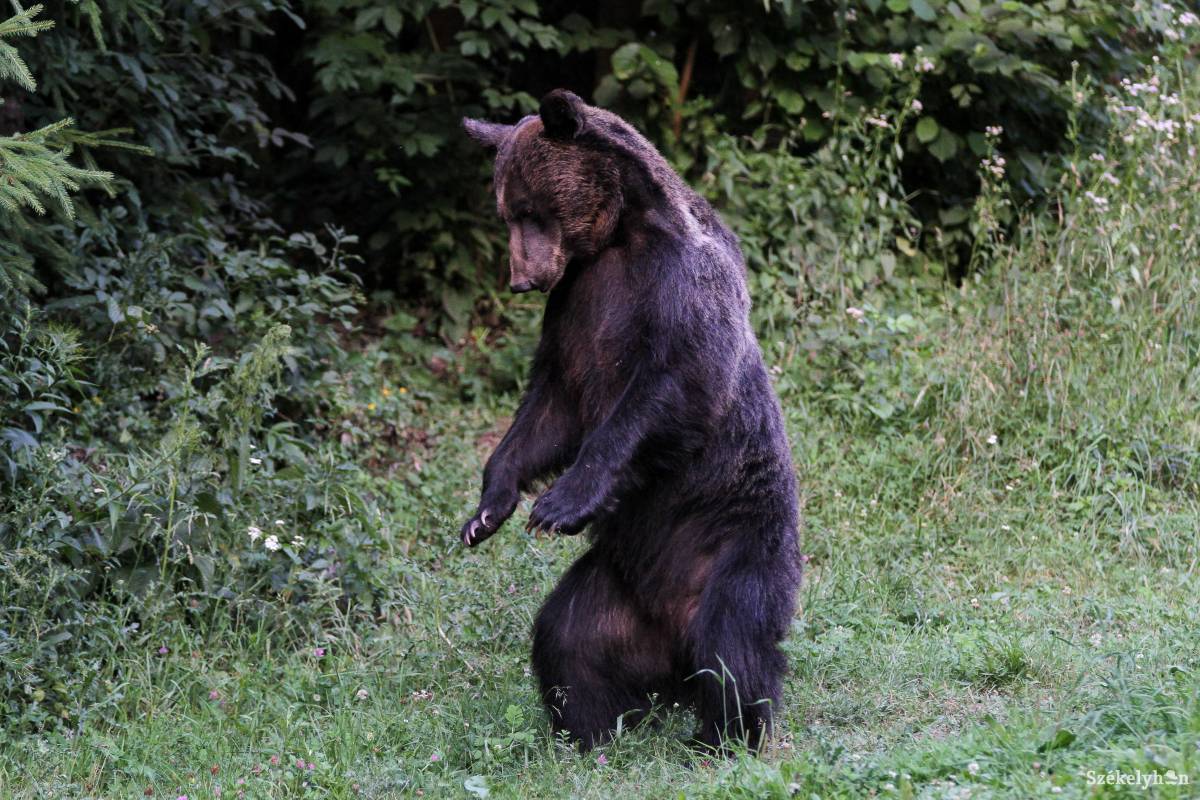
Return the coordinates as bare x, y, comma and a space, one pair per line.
635, 58
923, 10
927, 130
393, 20
944, 146
1061, 739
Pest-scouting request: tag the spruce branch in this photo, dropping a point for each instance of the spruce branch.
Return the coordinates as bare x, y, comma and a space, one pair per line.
35, 167
12, 66
35, 164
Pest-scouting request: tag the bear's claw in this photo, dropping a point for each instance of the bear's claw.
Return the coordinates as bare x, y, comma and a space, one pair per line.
476, 531
552, 513
490, 515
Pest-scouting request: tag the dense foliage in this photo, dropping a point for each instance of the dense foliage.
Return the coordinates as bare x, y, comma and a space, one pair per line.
300, 114
192, 419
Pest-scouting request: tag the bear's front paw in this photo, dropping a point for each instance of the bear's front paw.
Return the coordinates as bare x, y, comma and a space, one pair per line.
492, 513
561, 510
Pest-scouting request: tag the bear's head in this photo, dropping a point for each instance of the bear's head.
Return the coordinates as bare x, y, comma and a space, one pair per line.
557, 188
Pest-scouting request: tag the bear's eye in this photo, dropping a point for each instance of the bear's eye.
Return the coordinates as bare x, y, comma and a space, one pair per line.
527, 216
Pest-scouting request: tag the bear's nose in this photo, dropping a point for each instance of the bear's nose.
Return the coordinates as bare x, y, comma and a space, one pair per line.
520, 286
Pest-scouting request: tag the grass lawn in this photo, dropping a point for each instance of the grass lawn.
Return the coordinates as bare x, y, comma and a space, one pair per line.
1001, 596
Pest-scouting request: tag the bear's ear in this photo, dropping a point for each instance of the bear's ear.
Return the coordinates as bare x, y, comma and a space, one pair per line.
562, 114
488, 134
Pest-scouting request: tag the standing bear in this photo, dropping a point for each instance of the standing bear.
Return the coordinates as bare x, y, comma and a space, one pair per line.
649, 400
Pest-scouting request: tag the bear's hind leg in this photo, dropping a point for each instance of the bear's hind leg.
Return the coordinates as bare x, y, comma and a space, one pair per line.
597, 659
737, 665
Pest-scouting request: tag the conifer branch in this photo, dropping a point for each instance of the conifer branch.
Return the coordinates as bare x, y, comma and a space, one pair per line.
35, 166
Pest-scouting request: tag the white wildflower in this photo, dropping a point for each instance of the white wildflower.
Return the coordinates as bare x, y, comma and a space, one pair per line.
897, 59
973, 768
856, 313
1138, 88
280, 523
271, 542
993, 439
361, 694
256, 461
297, 541
254, 532
994, 130
879, 122
917, 106
1098, 201
1187, 19
925, 65
1109, 178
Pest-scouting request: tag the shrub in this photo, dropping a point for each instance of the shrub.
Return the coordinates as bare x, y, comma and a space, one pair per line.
160, 460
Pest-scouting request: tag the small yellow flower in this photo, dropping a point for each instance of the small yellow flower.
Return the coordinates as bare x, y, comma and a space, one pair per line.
387, 392
370, 406
75, 409
403, 390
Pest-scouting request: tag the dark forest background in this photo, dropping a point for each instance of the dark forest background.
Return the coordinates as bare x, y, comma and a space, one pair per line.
277, 117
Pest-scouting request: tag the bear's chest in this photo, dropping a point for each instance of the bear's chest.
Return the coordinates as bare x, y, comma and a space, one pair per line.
595, 337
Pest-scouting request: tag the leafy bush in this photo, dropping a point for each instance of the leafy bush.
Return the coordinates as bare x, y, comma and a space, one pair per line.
365, 124
168, 465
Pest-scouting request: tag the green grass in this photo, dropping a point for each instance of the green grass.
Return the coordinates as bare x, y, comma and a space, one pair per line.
1000, 617
1002, 527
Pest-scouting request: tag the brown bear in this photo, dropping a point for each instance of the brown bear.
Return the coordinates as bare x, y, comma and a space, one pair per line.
649, 400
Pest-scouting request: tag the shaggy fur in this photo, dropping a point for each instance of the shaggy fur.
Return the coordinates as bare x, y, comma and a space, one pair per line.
648, 397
